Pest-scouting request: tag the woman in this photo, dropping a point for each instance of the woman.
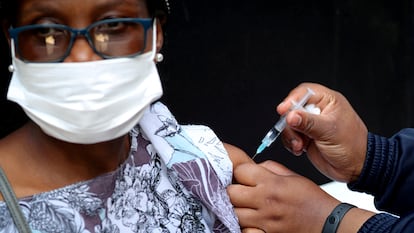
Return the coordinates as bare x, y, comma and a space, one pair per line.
98, 155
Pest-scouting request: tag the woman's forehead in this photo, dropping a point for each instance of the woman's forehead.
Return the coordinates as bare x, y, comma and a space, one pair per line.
30, 10
19, 2
27, 5
14, 11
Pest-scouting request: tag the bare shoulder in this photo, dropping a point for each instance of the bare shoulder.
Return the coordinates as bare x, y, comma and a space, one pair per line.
10, 147
13, 140
237, 155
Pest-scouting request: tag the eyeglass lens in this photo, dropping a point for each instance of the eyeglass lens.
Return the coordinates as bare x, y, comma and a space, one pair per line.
108, 39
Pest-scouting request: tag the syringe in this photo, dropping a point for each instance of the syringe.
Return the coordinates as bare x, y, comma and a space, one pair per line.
280, 125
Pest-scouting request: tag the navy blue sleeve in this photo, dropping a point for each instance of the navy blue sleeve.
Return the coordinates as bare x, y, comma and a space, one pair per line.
386, 223
388, 174
379, 223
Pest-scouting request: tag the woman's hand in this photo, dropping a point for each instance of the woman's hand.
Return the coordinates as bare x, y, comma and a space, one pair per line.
335, 141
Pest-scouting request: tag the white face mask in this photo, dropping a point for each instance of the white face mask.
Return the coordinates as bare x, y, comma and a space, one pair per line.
86, 102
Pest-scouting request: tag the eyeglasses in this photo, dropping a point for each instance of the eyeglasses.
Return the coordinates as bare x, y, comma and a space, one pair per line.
110, 38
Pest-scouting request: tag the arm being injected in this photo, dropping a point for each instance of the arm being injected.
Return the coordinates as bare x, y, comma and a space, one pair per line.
280, 125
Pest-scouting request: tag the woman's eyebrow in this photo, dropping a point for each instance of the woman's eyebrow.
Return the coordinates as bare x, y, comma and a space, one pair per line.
113, 4
31, 11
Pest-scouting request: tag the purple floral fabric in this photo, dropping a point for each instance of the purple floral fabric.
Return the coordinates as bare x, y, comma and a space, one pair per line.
152, 191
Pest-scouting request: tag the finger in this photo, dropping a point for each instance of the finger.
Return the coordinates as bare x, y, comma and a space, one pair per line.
318, 99
294, 141
277, 168
252, 230
311, 125
248, 218
249, 173
242, 196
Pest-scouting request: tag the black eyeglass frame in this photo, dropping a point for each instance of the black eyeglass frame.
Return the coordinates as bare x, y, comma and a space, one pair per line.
145, 22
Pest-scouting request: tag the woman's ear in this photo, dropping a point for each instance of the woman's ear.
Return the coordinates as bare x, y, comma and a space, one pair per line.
5, 29
160, 36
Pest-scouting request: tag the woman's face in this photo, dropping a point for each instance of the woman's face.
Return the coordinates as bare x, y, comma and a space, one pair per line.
79, 14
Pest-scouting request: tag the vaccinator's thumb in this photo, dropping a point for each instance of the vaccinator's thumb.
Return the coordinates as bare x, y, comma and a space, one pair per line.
310, 124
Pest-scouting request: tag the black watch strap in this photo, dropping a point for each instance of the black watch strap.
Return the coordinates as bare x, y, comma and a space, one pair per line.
333, 220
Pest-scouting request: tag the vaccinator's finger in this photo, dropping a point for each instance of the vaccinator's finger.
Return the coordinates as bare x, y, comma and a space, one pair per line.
242, 196
249, 173
277, 168
293, 141
249, 218
310, 125
318, 98
252, 230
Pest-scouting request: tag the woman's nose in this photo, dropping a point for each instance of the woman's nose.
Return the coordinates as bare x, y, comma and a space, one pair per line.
81, 51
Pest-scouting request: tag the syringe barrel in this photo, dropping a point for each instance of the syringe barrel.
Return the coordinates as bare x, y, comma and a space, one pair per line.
305, 98
280, 124
271, 136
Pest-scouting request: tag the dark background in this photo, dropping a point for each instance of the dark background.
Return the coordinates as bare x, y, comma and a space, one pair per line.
229, 63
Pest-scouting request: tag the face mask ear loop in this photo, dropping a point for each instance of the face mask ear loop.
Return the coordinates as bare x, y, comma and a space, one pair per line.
154, 39
12, 67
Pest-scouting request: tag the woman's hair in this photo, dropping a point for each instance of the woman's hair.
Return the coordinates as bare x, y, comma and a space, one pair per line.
159, 8
156, 8
8, 9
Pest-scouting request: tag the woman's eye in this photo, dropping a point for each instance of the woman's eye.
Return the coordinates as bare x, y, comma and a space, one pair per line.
112, 26
45, 32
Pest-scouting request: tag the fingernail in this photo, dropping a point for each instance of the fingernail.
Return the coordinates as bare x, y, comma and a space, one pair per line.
296, 120
294, 143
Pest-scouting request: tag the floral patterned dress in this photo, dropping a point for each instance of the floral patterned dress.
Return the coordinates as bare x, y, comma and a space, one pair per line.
173, 181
